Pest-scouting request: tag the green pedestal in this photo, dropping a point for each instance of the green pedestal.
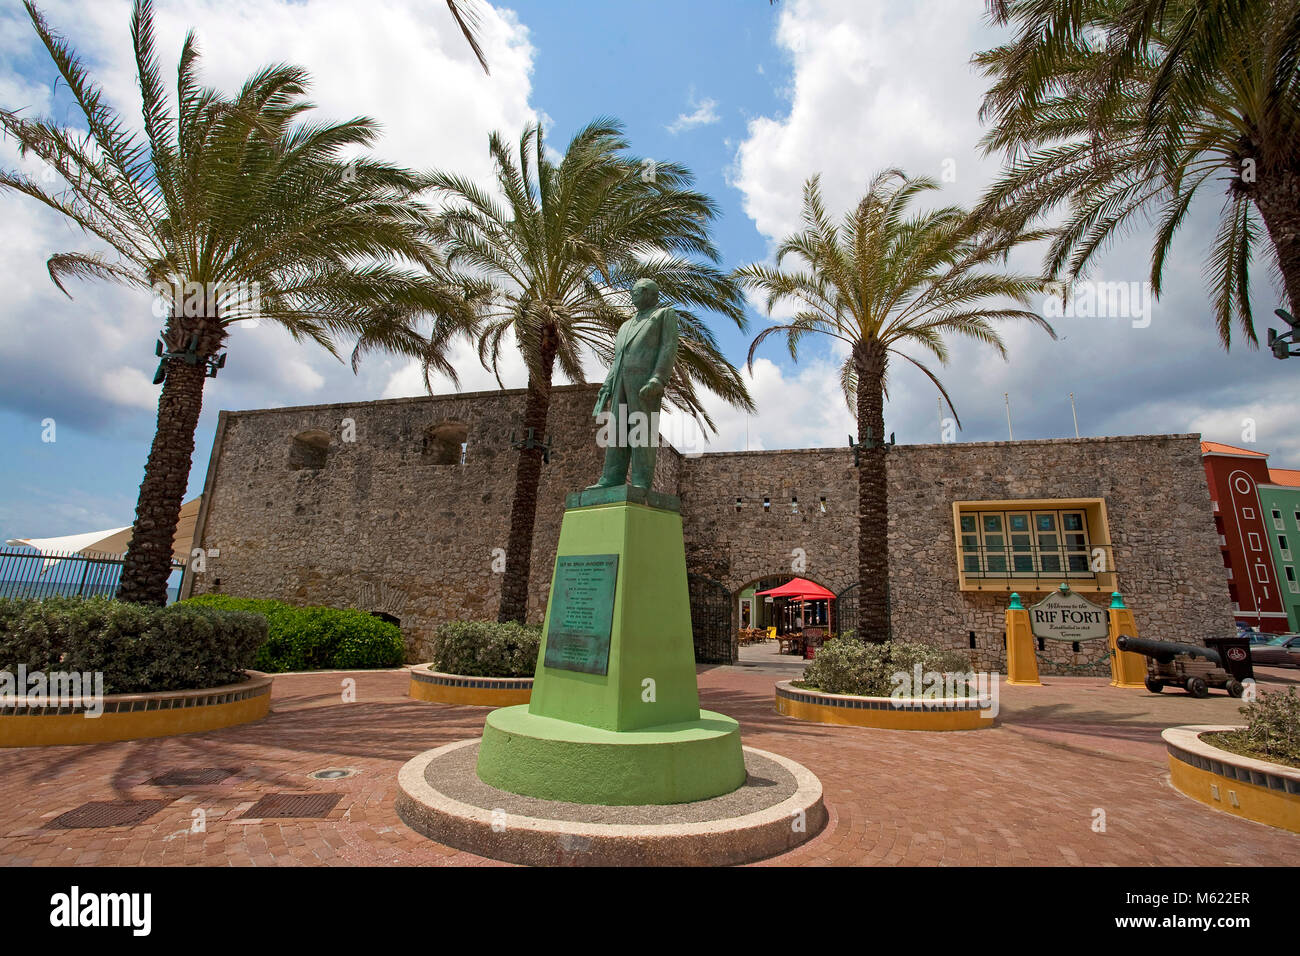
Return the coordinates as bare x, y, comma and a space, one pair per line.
615, 717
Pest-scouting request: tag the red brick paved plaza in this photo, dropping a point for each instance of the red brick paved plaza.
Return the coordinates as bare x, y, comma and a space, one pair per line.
1024, 792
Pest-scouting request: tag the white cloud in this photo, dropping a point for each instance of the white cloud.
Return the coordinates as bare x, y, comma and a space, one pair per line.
408, 380
1257, 425
130, 387
299, 374
705, 113
874, 85
800, 408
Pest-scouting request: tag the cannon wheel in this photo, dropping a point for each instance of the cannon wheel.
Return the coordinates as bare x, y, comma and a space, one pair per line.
1234, 687
1197, 687
1153, 685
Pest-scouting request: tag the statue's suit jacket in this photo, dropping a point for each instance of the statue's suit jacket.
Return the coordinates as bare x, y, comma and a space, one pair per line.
643, 349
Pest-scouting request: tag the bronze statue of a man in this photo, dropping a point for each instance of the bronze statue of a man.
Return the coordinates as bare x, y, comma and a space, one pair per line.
644, 351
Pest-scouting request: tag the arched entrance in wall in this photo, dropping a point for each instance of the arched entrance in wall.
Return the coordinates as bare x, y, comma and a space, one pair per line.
752, 610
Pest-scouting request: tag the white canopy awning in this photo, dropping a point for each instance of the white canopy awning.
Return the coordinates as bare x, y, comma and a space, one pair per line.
114, 540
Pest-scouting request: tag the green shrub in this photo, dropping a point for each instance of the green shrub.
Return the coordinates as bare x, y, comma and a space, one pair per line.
138, 648
1272, 730
905, 655
315, 638
848, 666
486, 649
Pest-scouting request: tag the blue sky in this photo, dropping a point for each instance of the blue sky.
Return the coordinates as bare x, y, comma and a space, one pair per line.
752, 97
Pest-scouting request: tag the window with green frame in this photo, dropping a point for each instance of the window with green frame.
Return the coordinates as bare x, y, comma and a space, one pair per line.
1030, 543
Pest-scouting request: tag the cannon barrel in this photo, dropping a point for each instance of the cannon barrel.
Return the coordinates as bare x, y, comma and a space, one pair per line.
1166, 650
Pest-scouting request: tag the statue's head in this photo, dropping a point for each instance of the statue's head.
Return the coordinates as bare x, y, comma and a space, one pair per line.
645, 293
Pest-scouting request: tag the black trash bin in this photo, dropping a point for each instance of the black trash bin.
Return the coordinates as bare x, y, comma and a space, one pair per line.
1235, 652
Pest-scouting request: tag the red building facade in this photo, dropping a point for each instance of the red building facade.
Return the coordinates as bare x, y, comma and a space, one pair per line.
1234, 475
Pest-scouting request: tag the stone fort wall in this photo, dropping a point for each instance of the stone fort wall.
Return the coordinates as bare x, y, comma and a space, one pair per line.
382, 526
1166, 553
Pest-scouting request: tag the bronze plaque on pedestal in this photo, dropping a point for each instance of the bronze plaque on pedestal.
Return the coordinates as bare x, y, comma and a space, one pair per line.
581, 616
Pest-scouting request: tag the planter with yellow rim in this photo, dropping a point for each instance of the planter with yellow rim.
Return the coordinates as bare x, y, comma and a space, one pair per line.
1258, 790
888, 713
36, 722
431, 685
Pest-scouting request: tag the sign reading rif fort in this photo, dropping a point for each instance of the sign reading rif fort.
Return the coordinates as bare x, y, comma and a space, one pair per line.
1065, 616
582, 613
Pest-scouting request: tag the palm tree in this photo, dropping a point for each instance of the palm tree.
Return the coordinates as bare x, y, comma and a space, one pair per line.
233, 209
881, 281
552, 265
1121, 111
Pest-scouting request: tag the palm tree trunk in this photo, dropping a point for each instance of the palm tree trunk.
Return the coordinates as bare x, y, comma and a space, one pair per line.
1277, 197
528, 474
873, 499
166, 476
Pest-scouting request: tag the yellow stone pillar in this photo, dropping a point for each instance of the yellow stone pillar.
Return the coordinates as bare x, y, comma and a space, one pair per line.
1022, 655
1127, 669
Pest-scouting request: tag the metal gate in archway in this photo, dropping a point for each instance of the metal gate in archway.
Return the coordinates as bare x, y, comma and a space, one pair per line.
846, 609
711, 620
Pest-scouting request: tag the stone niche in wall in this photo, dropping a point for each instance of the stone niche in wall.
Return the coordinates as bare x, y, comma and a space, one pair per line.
445, 443
309, 449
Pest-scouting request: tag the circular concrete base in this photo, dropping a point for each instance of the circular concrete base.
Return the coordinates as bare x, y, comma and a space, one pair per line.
559, 760
778, 808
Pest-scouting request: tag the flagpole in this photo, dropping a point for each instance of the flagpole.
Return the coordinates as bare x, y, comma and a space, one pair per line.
1007, 398
1075, 414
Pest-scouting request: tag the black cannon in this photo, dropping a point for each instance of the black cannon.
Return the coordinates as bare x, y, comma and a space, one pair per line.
1222, 662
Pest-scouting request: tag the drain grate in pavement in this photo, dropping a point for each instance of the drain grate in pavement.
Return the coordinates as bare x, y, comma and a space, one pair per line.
293, 805
192, 777
107, 813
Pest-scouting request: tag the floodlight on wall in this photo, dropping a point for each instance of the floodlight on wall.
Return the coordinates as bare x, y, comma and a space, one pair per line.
189, 355
868, 443
531, 442
1277, 342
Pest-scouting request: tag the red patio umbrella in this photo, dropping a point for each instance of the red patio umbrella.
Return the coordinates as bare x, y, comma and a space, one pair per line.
799, 589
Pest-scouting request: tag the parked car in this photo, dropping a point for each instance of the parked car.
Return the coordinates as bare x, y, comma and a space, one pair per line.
1281, 651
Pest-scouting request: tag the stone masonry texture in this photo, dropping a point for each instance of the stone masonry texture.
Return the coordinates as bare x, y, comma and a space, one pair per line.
383, 526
